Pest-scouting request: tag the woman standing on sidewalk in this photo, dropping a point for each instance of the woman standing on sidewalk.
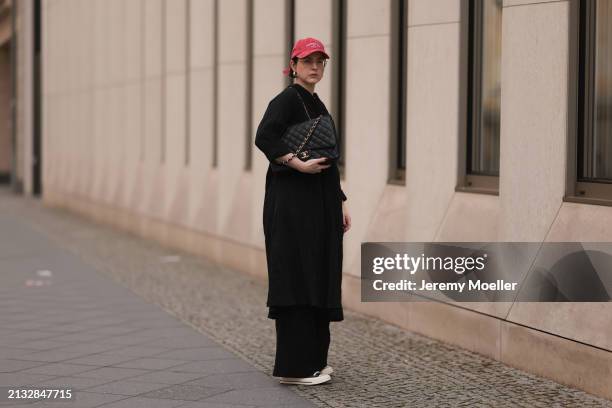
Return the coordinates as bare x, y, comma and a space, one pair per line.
304, 219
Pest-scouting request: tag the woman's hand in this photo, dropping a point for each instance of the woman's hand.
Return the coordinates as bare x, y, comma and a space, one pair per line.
311, 166
346, 217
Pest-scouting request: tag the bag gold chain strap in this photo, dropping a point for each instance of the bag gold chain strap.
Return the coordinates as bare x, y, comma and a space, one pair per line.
312, 128
303, 104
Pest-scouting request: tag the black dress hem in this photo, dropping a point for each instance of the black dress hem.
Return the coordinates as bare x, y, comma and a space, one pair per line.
334, 314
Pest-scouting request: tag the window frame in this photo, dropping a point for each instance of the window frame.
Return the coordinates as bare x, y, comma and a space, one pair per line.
398, 92
580, 89
339, 36
215, 87
468, 182
289, 32
187, 152
248, 116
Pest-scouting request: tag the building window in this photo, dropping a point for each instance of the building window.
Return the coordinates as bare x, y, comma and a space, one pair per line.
163, 81
187, 82
399, 50
339, 76
289, 32
249, 87
590, 155
215, 84
595, 138
484, 95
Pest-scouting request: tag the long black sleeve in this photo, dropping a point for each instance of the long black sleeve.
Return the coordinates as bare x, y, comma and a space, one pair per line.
271, 128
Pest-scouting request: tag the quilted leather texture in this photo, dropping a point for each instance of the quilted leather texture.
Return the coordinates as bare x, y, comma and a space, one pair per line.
322, 142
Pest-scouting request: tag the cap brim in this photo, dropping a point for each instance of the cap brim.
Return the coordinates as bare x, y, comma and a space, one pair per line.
308, 52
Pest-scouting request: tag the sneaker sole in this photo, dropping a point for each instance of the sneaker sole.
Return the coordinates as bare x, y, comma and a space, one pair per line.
328, 372
314, 381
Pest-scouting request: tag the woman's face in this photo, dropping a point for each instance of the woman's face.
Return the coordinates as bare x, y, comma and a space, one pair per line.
310, 68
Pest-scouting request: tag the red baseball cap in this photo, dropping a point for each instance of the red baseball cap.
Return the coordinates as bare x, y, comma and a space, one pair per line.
304, 47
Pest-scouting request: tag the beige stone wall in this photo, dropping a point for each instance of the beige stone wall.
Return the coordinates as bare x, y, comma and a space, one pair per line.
115, 131
6, 145
20, 88
24, 102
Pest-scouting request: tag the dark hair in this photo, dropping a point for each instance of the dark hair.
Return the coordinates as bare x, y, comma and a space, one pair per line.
292, 73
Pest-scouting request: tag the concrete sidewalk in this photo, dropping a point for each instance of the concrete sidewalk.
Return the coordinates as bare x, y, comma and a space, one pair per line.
63, 324
129, 323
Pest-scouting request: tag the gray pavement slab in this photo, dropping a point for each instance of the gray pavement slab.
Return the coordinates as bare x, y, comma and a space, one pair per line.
63, 324
115, 304
82, 399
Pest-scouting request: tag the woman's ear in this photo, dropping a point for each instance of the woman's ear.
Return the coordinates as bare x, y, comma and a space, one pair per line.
292, 66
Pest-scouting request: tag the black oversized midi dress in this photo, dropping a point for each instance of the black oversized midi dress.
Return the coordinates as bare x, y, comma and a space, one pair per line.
302, 216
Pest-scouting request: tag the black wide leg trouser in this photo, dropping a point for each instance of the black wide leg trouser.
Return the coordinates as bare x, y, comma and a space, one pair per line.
302, 342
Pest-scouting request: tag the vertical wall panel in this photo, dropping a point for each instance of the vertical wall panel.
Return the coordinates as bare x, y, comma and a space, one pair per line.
367, 109
269, 59
152, 83
132, 93
231, 100
175, 47
201, 94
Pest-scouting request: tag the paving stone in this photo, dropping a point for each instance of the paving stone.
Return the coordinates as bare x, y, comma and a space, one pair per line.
126, 387
126, 339
223, 366
27, 335
188, 392
113, 373
79, 383
150, 363
10, 365
18, 379
42, 345
76, 337
182, 342
258, 396
64, 369
88, 347
140, 402
100, 359
204, 404
137, 351
197, 353
167, 377
13, 353
52, 355
236, 380
81, 399
31, 325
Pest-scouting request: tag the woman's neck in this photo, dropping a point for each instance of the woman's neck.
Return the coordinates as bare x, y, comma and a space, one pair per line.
309, 87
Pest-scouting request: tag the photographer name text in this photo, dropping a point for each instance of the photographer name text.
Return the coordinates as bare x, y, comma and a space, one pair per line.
424, 285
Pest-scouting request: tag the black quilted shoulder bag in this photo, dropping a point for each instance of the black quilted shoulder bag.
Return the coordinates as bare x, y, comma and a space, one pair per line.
312, 139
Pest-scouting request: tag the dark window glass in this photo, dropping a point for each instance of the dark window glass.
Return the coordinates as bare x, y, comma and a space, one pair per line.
485, 79
249, 87
338, 74
595, 137
289, 32
397, 164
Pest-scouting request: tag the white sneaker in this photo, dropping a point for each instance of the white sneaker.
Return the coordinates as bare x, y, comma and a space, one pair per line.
327, 370
316, 378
